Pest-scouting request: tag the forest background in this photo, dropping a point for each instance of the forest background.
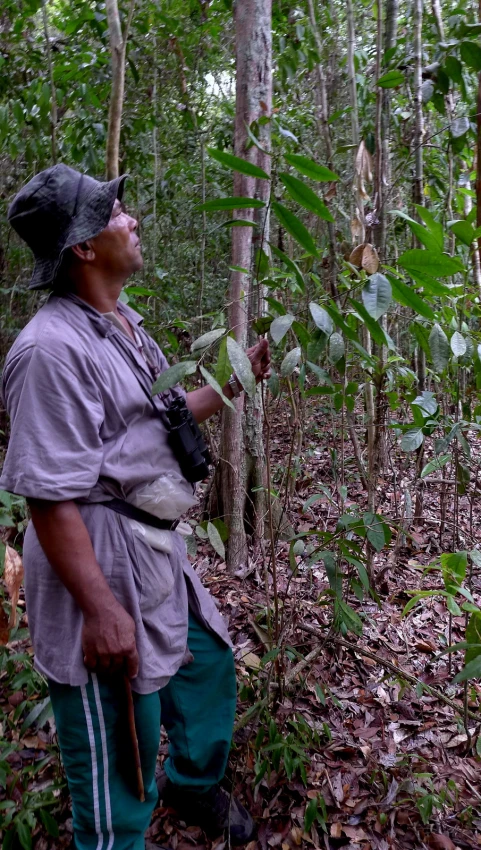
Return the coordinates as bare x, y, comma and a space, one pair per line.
313, 172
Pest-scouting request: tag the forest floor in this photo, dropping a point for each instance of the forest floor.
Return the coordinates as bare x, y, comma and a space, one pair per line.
350, 752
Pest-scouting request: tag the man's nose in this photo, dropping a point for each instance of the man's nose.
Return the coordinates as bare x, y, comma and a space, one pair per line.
133, 223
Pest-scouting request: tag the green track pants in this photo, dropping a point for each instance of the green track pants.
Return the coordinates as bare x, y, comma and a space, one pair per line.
197, 709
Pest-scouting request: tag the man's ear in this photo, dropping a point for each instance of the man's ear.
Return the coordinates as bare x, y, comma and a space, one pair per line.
84, 251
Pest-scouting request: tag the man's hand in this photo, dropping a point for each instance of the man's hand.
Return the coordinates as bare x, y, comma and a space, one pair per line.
260, 357
108, 641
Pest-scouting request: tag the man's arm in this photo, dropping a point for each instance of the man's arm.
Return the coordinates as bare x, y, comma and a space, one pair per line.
108, 637
204, 402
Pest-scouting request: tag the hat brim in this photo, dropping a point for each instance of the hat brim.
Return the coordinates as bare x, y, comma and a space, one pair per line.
92, 217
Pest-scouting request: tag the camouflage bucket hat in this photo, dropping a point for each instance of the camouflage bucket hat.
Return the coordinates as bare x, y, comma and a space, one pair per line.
57, 209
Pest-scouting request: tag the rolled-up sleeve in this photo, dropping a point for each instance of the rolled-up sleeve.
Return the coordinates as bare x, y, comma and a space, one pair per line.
56, 412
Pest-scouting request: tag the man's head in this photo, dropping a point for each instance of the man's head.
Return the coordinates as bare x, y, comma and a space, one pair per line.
63, 215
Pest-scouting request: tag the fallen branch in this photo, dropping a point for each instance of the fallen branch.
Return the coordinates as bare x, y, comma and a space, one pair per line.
305, 627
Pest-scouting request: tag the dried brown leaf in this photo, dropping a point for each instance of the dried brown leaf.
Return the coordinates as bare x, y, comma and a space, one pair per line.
370, 259
13, 577
355, 257
441, 842
357, 229
4, 627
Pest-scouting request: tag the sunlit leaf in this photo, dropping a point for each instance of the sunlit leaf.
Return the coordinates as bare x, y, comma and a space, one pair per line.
237, 164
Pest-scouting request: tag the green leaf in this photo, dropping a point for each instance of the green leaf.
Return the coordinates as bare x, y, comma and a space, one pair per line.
40, 713
237, 164
295, 227
428, 239
463, 231
454, 69
273, 384
207, 339
432, 262
406, 296
310, 814
336, 347
215, 540
320, 374
391, 80
24, 833
173, 375
311, 169
291, 265
239, 222
473, 635
435, 465
215, 386
439, 346
453, 606
377, 295
458, 344
374, 530
223, 368
290, 362
471, 54
322, 319
434, 226
49, 823
412, 439
280, 326
372, 325
471, 671
352, 620
305, 196
459, 127
241, 366
231, 204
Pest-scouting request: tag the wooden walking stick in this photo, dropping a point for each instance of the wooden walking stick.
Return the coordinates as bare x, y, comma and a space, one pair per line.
133, 739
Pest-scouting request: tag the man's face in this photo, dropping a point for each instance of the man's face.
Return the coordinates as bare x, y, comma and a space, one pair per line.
117, 247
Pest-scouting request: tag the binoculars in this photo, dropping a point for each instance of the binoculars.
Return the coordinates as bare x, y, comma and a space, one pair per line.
187, 442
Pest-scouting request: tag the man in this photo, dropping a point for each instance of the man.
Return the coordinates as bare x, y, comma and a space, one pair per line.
86, 437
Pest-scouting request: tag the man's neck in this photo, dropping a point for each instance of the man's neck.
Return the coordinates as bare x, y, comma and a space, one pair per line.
99, 294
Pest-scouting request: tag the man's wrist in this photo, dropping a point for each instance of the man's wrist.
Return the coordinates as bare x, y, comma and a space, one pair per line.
234, 386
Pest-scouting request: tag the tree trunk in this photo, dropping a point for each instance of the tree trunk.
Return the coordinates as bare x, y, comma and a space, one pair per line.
118, 46
325, 133
241, 440
418, 188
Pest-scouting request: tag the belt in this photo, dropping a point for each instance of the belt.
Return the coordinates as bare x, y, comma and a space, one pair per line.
130, 511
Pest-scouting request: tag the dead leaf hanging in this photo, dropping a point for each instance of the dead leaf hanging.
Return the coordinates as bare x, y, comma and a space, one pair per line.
355, 257
363, 167
13, 577
370, 259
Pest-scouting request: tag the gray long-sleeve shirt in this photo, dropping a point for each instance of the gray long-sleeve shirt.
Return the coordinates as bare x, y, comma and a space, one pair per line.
83, 427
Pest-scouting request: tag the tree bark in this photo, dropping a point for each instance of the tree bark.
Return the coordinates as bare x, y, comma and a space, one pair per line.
118, 46
241, 439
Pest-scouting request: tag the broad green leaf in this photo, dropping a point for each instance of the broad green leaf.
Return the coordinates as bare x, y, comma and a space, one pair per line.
352, 620
336, 347
454, 69
372, 325
377, 295
428, 239
290, 362
421, 332
223, 368
427, 402
434, 226
42, 709
435, 465
458, 344
459, 127
471, 54
273, 384
320, 374
439, 346
24, 833
436, 264
215, 540
463, 231
311, 169
374, 530
237, 164
239, 222
241, 366
412, 439
49, 823
173, 375
215, 386
295, 227
473, 635
280, 326
207, 339
322, 319
406, 296
391, 79
471, 671
231, 204
305, 196
453, 606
